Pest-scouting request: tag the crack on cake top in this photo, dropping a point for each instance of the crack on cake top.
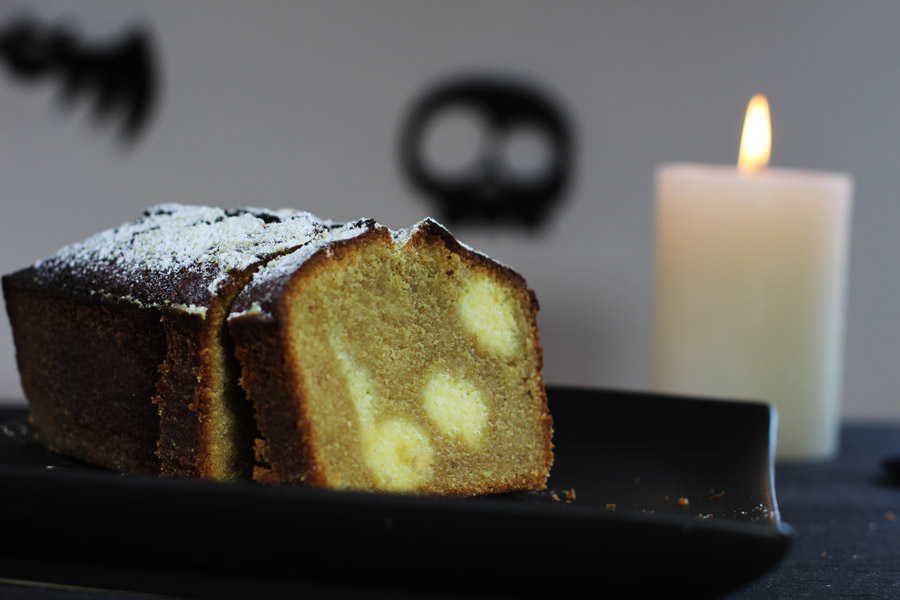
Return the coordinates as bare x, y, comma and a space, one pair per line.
260, 295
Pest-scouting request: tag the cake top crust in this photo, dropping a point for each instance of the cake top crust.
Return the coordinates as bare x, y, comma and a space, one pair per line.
259, 298
182, 256
178, 255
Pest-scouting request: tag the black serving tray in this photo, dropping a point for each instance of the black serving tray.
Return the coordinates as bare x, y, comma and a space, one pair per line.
648, 493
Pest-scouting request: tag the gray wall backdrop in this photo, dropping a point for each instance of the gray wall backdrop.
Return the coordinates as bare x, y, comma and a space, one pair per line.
299, 104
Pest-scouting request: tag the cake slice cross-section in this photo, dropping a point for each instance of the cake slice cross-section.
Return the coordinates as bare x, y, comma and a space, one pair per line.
401, 362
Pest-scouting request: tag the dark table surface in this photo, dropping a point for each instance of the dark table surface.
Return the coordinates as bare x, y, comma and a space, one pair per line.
845, 514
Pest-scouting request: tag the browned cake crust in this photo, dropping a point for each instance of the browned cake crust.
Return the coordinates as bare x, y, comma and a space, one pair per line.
195, 377
289, 450
88, 369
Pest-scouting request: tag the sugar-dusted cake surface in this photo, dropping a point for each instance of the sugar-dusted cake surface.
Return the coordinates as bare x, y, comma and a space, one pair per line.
177, 255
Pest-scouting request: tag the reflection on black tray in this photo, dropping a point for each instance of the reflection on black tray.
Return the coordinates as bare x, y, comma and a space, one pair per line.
648, 493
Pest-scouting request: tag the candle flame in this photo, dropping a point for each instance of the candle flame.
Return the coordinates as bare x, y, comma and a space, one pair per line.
756, 141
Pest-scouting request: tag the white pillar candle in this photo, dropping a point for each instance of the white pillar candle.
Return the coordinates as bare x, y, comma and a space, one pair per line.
750, 293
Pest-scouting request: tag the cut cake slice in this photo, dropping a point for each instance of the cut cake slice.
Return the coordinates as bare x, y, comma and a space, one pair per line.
397, 362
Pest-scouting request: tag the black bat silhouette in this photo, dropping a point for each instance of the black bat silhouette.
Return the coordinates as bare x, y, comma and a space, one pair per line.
121, 74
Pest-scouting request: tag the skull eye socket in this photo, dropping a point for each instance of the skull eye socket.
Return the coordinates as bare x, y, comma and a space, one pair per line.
526, 153
454, 142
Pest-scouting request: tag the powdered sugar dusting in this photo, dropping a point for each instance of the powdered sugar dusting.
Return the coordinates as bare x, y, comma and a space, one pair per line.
402, 236
287, 264
257, 297
151, 258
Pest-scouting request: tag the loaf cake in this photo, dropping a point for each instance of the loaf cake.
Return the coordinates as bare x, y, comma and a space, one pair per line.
199, 342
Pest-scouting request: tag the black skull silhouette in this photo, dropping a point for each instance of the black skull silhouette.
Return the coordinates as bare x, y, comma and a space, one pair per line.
491, 189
